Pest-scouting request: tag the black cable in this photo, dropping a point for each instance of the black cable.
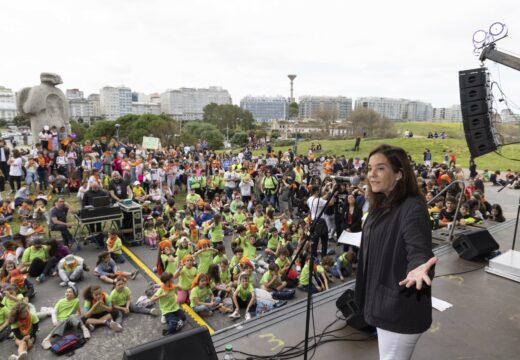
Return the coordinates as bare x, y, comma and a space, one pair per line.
461, 272
505, 157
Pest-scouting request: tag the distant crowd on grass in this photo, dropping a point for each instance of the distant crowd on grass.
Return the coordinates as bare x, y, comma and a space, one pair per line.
259, 208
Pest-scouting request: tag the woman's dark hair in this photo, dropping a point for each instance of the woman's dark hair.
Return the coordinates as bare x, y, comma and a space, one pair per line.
88, 293
214, 273
15, 312
166, 276
53, 247
101, 256
499, 217
404, 188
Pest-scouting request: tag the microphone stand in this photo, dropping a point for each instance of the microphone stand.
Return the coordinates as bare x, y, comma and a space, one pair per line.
314, 237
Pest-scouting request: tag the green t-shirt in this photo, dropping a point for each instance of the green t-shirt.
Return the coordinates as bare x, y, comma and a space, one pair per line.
266, 278
98, 310
243, 293
4, 313
205, 260
32, 253
281, 263
65, 308
199, 293
117, 245
239, 218
8, 303
186, 277
216, 234
272, 243
218, 259
249, 249
181, 252
168, 303
169, 266
120, 298
225, 276
234, 261
259, 221
34, 320
304, 275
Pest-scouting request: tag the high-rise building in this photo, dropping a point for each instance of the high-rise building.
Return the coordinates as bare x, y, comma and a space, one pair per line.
188, 103
266, 108
80, 110
331, 107
115, 101
73, 94
451, 114
140, 108
95, 104
7, 104
397, 109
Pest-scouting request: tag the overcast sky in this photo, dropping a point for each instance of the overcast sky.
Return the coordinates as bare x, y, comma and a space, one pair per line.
408, 49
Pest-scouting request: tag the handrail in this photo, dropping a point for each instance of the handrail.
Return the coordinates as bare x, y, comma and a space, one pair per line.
459, 200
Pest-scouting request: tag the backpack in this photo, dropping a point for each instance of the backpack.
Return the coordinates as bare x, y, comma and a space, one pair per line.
67, 344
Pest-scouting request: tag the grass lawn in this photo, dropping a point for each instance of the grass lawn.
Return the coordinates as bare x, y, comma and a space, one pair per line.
416, 147
454, 130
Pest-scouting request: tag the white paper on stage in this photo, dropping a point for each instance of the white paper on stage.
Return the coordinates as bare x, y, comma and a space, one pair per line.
350, 238
439, 304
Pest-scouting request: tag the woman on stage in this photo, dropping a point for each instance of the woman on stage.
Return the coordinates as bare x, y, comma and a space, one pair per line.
396, 259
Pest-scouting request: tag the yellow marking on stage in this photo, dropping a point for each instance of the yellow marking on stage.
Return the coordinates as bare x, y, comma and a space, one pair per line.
435, 327
156, 279
273, 339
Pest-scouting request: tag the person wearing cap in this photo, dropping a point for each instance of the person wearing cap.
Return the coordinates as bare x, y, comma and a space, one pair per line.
138, 191
58, 221
70, 270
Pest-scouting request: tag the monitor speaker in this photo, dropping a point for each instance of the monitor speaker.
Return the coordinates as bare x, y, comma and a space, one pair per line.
346, 303
186, 345
475, 244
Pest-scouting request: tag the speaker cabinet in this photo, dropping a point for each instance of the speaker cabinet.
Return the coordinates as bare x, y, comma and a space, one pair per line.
476, 107
475, 244
346, 303
186, 345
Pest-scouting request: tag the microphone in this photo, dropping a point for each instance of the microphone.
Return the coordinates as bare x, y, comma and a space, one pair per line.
354, 180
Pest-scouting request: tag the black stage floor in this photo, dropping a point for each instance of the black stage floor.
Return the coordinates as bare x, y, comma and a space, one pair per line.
484, 322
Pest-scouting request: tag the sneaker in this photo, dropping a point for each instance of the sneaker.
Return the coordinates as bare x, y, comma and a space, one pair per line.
115, 326
248, 316
46, 344
165, 332
63, 283
47, 311
91, 327
85, 267
71, 284
13, 357
234, 315
163, 319
180, 324
23, 356
40, 279
134, 274
86, 332
155, 312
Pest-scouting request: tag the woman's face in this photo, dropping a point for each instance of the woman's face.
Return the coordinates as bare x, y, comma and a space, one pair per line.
69, 294
351, 199
381, 176
97, 294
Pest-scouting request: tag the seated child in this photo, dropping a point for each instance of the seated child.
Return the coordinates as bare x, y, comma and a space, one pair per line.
243, 297
114, 245
121, 298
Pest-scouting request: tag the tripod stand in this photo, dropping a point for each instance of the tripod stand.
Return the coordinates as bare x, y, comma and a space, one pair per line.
313, 236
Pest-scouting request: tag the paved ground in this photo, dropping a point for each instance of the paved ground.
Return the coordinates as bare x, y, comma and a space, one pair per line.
140, 329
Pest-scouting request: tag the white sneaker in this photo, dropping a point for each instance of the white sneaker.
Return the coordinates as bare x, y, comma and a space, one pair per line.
163, 319
23, 356
248, 316
46, 344
155, 312
86, 332
180, 324
115, 326
71, 284
63, 283
47, 311
13, 357
234, 315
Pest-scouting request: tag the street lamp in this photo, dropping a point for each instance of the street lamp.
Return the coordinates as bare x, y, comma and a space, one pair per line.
117, 131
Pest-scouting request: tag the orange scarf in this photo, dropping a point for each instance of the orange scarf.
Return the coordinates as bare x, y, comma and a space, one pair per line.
111, 241
167, 287
25, 325
70, 267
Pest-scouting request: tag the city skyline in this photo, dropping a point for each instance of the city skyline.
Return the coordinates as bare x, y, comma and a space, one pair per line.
375, 48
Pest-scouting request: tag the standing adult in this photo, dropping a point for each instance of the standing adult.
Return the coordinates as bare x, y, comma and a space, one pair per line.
395, 260
4, 167
15, 170
316, 205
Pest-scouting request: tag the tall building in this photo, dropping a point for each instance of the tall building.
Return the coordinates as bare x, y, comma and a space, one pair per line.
188, 103
115, 101
266, 108
73, 94
80, 110
397, 109
7, 104
95, 104
451, 114
140, 108
333, 107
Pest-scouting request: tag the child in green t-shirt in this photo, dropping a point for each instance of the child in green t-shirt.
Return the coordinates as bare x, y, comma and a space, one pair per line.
121, 298
98, 310
202, 300
5, 329
204, 255
24, 325
243, 297
168, 303
186, 274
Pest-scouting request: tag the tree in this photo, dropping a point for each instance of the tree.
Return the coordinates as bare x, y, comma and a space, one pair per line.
228, 116
275, 134
20, 120
369, 122
3, 123
293, 110
78, 129
101, 128
239, 139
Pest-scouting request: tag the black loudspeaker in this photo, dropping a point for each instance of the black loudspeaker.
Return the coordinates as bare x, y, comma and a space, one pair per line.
476, 106
346, 303
186, 345
474, 244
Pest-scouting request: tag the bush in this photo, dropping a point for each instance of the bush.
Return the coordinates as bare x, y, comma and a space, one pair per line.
239, 139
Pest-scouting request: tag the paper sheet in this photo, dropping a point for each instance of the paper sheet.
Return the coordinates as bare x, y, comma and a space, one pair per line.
439, 304
350, 238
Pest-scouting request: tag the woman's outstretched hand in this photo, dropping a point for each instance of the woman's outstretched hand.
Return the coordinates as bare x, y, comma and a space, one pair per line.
418, 275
